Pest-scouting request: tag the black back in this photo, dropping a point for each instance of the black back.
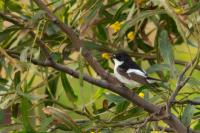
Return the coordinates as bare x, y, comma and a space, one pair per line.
128, 62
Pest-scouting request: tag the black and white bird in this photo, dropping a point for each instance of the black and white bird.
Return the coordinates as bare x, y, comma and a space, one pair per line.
128, 72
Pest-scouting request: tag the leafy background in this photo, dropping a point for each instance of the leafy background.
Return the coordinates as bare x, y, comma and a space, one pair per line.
162, 36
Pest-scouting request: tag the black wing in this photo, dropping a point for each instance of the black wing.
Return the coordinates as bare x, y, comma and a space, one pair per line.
132, 76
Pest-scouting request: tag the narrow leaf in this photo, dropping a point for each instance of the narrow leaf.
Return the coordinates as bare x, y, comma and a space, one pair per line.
187, 115
25, 106
68, 89
166, 50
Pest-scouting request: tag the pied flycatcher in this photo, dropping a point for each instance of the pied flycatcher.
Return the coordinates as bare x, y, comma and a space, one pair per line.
128, 72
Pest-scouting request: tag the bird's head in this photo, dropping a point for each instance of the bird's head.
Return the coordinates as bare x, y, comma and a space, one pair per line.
121, 57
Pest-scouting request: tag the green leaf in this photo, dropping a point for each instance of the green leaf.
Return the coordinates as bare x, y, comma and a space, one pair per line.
121, 9
195, 83
25, 106
45, 123
142, 45
122, 106
114, 98
91, 45
4, 34
65, 119
52, 87
68, 89
197, 126
187, 115
17, 78
101, 32
2, 116
166, 50
37, 17
80, 67
3, 81
193, 9
158, 67
14, 6
134, 112
98, 93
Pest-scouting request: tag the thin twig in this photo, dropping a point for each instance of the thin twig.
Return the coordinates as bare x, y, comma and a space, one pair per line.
181, 81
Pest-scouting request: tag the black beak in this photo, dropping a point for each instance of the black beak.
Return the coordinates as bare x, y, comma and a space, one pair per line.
112, 56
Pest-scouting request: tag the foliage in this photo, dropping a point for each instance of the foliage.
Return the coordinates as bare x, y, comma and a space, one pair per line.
162, 35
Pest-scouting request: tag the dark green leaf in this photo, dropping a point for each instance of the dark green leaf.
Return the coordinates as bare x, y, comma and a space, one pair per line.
17, 78
101, 32
122, 106
3, 81
119, 12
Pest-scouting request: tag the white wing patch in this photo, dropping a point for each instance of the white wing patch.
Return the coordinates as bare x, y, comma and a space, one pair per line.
136, 71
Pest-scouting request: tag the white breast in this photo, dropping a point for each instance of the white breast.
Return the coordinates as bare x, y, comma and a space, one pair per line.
122, 78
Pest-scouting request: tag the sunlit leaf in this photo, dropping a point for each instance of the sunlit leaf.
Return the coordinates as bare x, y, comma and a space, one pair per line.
68, 89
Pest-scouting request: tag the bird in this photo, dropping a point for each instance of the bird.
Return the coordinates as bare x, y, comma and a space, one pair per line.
128, 72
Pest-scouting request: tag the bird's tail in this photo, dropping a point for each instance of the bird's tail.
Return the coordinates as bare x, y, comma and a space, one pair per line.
153, 80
